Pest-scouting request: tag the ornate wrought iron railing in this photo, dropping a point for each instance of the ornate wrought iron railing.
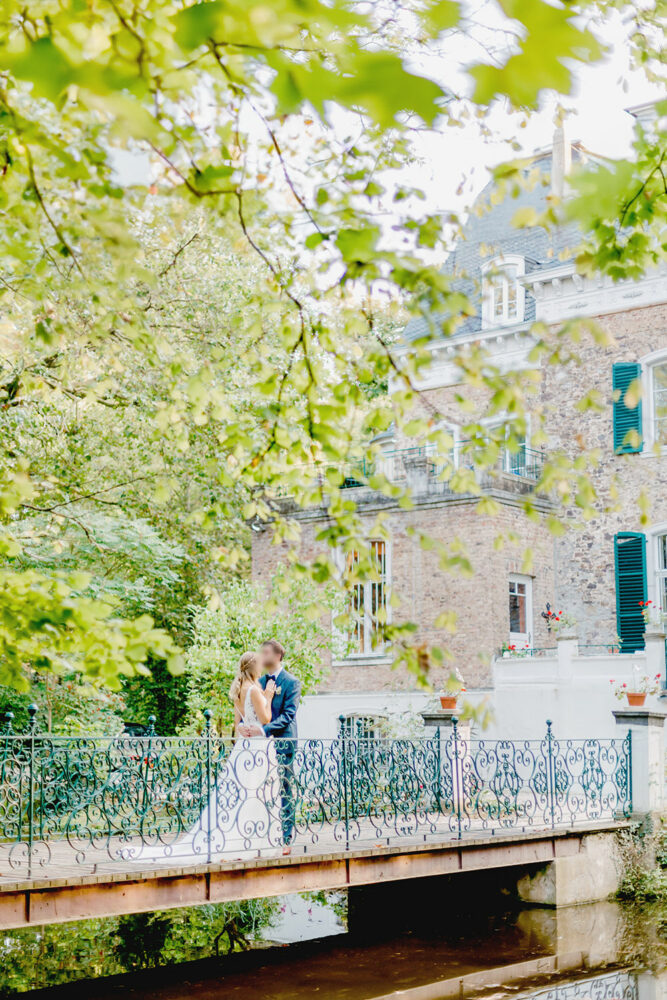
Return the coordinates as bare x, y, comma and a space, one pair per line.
71, 801
599, 648
619, 984
525, 463
395, 465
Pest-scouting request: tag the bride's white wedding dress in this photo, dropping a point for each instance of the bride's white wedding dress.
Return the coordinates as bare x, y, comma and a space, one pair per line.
243, 811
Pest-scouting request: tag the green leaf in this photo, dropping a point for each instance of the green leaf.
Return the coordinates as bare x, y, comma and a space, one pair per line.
552, 38
44, 65
314, 239
198, 22
525, 217
442, 14
358, 244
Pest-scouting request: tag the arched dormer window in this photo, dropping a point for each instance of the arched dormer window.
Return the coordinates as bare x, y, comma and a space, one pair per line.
503, 296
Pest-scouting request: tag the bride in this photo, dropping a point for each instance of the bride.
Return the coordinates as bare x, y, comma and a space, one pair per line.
243, 810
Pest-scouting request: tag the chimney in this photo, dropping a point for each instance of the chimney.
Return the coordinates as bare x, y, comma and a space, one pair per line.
561, 160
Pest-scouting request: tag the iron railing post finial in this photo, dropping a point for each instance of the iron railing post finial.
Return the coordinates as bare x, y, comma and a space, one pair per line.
9, 716
457, 784
208, 716
629, 757
32, 716
438, 767
551, 777
146, 765
343, 741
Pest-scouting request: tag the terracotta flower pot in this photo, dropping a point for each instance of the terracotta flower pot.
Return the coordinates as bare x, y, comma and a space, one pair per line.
448, 700
635, 698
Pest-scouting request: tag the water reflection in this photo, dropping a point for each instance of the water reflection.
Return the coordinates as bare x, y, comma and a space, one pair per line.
605, 951
618, 985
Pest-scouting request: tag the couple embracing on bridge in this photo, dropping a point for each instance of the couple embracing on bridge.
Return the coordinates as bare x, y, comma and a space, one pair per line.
250, 807
266, 698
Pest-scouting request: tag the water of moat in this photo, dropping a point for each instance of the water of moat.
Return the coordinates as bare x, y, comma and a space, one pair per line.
462, 947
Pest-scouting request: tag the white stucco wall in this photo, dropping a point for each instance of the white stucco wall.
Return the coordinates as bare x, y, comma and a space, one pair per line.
319, 713
573, 691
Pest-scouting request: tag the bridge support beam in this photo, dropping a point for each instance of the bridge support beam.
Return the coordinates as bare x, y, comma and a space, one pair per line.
79, 897
589, 875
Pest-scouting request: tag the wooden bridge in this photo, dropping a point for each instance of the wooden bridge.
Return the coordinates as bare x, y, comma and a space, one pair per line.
92, 827
70, 893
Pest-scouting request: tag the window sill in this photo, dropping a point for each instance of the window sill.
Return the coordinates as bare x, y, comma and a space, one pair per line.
363, 659
648, 451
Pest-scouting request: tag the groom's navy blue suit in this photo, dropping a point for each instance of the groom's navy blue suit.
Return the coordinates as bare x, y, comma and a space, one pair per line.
283, 727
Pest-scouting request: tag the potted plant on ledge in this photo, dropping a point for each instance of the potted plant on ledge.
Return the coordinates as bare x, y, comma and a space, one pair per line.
654, 617
449, 694
563, 625
637, 689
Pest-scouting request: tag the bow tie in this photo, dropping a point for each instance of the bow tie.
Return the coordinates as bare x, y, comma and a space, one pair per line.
272, 677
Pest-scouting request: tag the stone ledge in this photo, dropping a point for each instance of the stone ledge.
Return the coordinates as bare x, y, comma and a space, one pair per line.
640, 716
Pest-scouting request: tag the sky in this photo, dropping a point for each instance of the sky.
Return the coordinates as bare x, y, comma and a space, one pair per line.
601, 93
452, 164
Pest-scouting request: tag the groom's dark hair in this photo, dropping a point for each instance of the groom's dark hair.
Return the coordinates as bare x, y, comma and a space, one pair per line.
277, 647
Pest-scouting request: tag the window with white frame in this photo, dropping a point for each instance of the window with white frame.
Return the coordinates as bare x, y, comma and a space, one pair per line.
520, 610
661, 572
514, 454
442, 455
503, 296
658, 402
358, 727
368, 601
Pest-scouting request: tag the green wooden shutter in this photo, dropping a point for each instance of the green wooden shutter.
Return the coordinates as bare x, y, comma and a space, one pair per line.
630, 565
626, 418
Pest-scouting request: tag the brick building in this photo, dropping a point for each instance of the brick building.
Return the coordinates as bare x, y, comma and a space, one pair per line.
597, 572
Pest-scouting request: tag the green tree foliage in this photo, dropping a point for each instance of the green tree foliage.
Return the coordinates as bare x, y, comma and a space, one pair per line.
243, 619
35, 957
225, 112
160, 695
67, 705
623, 206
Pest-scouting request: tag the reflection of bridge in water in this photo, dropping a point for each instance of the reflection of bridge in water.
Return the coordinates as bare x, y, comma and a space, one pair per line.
573, 953
93, 825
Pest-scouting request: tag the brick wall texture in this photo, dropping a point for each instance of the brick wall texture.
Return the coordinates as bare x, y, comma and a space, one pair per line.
574, 573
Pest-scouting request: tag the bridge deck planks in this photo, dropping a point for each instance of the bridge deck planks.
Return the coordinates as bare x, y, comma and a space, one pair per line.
77, 895
100, 866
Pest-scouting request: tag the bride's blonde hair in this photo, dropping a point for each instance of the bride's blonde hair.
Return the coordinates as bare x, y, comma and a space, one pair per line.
244, 672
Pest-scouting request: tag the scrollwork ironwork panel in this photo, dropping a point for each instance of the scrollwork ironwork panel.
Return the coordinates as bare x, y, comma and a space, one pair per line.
152, 799
620, 984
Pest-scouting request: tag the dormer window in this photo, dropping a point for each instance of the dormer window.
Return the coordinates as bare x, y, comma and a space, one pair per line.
502, 293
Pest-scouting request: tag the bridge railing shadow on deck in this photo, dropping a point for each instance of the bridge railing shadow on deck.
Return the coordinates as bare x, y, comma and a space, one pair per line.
93, 803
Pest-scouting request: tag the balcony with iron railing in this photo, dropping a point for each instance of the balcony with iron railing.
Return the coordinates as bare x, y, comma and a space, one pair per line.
470, 468
397, 465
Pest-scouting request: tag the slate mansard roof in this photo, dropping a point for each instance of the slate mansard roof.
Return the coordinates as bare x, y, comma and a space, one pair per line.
491, 234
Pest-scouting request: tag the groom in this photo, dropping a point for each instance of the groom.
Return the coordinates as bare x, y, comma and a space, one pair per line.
282, 726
